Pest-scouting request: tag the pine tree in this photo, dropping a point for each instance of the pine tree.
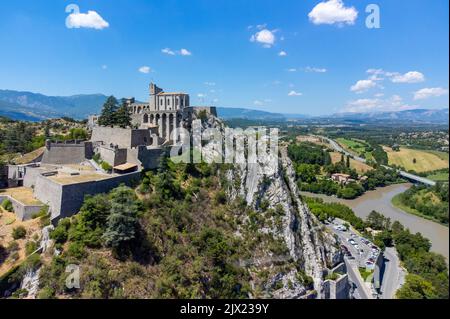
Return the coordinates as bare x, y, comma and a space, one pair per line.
123, 116
107, 117
348, 162
122, 220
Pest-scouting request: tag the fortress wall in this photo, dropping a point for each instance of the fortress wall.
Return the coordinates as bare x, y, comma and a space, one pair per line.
30, 177
22, 211
113, 157
342, 287
140, 137
146, 158
112, 135
67, 153
326, 289
72, 196
49, 193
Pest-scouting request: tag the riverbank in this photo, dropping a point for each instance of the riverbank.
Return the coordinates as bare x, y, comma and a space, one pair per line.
380, 200
396, 201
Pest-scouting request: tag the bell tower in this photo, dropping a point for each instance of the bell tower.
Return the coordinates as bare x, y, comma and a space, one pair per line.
154, 91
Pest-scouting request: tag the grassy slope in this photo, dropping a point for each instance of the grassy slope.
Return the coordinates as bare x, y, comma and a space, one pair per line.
425, 161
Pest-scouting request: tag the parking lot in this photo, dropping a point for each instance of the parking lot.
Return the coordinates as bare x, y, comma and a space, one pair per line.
356, 247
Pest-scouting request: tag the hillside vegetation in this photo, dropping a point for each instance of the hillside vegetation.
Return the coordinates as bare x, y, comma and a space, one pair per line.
174, 236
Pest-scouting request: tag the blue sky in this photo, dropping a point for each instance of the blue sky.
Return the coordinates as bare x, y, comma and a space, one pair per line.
227, 53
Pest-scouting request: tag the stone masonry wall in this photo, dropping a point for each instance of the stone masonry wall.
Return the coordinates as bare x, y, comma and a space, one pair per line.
22, 211
66, 200
67, 153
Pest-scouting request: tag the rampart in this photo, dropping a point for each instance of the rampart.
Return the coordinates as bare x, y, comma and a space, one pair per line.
67, 153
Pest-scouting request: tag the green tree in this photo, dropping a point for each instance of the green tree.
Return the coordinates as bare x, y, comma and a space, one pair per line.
123, 217
416, 288
107, 116
123, 116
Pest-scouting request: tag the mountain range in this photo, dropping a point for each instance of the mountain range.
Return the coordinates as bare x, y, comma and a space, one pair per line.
29, 106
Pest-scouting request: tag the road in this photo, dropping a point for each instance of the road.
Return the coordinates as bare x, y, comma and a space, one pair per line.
392, 274
407, 175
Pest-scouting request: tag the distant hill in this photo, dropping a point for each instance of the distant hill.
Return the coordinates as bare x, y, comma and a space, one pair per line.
34, 106
250, 114
242, 113
438, 116
30, 106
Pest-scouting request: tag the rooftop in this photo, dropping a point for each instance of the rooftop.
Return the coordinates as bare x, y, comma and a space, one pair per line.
21, 194
68, 179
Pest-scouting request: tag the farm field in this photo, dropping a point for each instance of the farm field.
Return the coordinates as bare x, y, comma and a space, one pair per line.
358, 166
357, 147
439, 176
424, 161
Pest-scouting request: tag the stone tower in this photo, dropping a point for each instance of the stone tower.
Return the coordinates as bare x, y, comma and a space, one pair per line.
154, 91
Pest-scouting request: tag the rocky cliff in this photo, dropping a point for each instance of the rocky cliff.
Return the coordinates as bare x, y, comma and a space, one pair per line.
268, 184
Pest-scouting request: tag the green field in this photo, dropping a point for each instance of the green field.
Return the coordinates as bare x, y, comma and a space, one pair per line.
439, 177
357, 147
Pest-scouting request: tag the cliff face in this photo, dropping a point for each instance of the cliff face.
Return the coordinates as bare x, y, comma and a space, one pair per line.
309, 245
269, 183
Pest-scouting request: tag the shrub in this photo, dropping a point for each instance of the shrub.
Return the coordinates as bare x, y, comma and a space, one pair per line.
7, 205
96, 158
60, 233
30, 247
19, 232
106, 167
220, 198
76, 250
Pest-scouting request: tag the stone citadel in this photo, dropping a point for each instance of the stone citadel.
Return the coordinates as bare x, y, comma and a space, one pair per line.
66, 172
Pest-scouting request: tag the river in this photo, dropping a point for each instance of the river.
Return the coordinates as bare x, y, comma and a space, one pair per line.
380, 201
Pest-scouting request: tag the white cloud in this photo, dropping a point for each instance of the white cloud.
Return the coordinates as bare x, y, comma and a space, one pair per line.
410, 77
185, 52
362, 86
282, 53
201, 95
392, 104
429, 92
145, 69
258, 103
265, 37
315, 70
90, 20
104, 67
210, 83
333, 12
294, 93
396, 77
168, 51
292, 70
